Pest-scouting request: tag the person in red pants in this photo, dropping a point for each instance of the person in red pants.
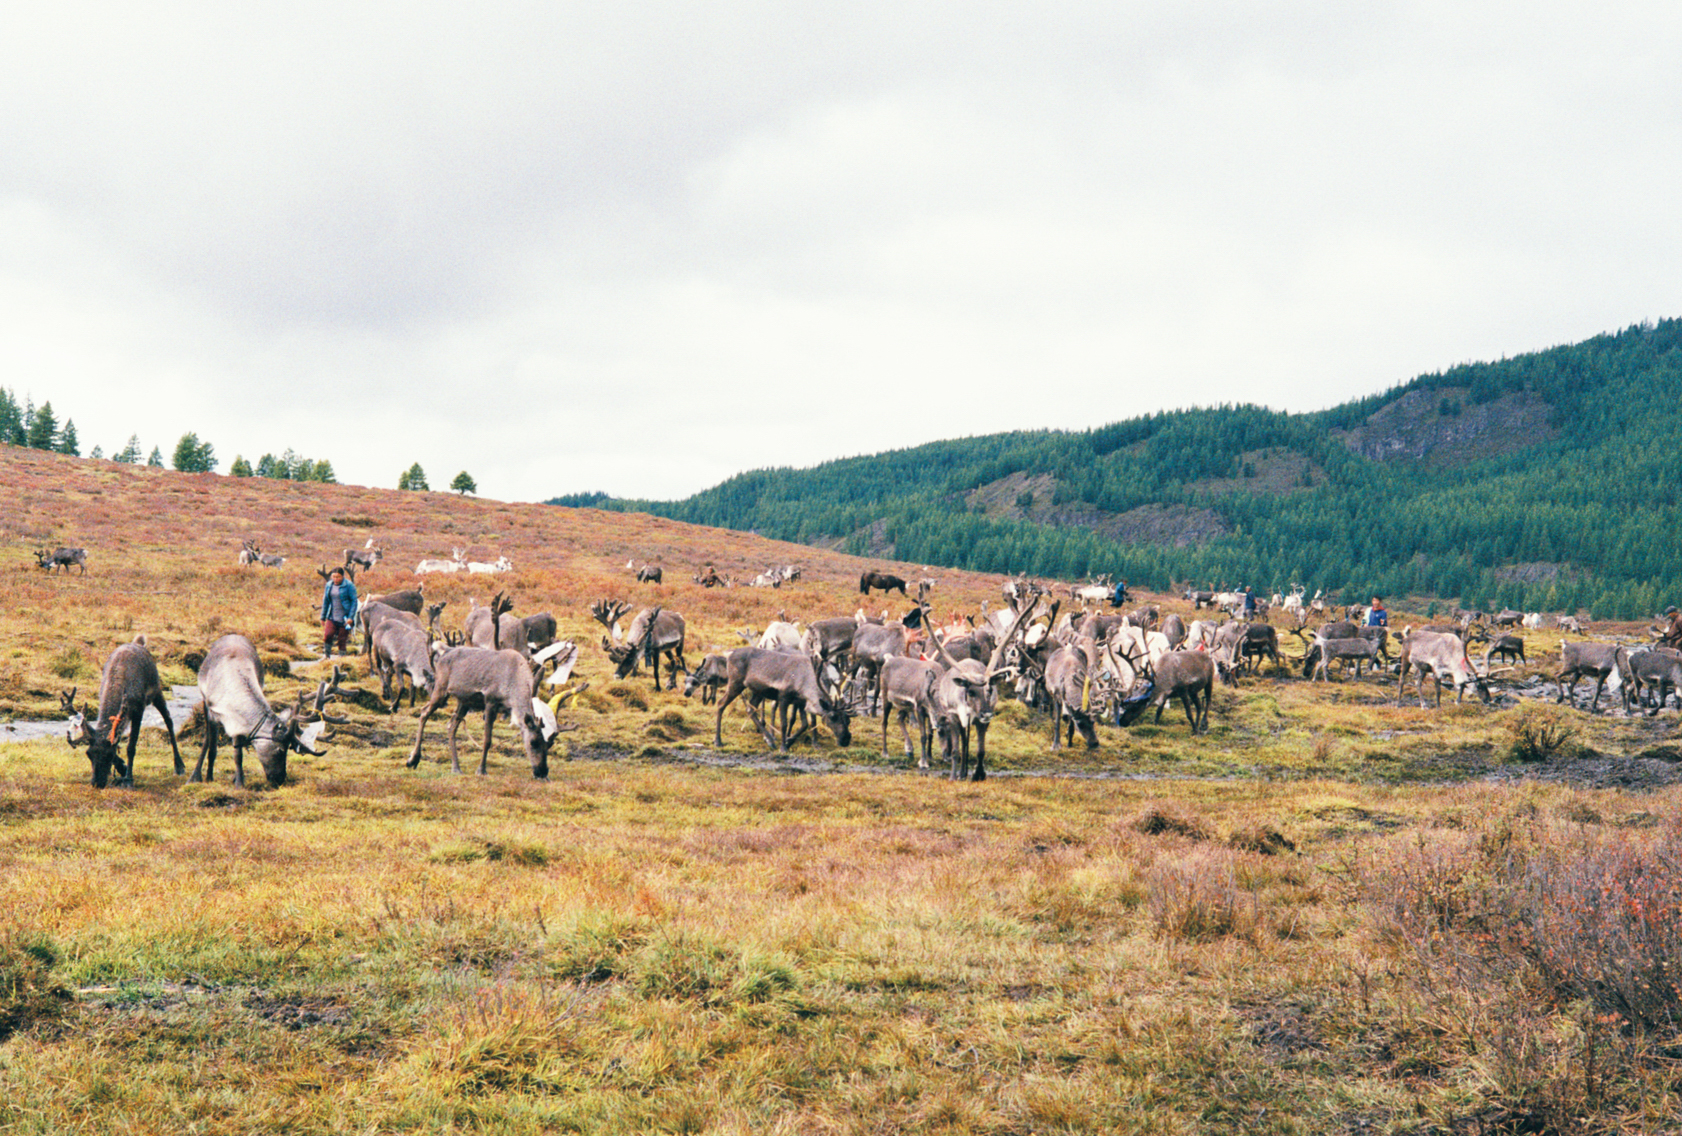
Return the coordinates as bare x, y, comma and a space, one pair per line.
338, 611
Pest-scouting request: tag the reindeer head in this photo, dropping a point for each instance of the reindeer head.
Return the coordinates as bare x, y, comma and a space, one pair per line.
287, 735
102, 744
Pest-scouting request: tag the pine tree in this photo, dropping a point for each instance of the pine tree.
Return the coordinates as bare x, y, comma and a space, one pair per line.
43, 428
413, 478
464, 483
97, 453
194, 456
323, 472
67, 441
11, 419
156, 460
240, 468
269, 466
129, 454
296, 466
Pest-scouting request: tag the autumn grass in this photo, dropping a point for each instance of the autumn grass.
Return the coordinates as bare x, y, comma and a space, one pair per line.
1174, 934
638, 948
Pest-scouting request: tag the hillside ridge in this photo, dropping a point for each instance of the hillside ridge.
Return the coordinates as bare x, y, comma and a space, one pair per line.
1437, 487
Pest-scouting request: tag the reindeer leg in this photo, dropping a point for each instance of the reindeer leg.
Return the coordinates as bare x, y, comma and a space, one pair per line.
980, 773
169, 728
490, 720
133, 743
730, 694
206, 750
455, 724
432, 704
239, 763
759, 721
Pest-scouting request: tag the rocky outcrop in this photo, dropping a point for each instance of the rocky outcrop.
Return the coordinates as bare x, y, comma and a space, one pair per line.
1415, 427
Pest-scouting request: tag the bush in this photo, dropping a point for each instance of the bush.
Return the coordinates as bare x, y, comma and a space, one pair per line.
1598, 916
1538, 732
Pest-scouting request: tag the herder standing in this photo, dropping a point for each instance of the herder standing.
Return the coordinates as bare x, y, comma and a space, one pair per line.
338, 611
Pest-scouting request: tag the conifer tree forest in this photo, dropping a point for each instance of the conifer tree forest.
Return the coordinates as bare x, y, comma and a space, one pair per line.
1577, 510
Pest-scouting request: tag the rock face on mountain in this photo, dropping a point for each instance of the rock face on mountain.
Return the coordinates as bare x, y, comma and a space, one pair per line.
1019, 496
1444, 428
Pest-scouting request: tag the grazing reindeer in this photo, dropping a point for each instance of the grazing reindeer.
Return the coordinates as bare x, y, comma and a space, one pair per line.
63, 558
1441, 654
401, 648
708, 677
789, 678
128, 685
231, 680
1070, 672
1599, 661
1190, 677
885, 581
908, 685
365, 557
655, 632
502, 682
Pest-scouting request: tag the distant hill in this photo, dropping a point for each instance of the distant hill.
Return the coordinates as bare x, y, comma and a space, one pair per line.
1548, 481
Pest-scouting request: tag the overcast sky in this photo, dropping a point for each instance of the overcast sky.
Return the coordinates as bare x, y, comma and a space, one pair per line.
641, 247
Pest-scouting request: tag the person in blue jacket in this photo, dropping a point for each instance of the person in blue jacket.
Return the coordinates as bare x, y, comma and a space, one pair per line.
338, 611
1376, 615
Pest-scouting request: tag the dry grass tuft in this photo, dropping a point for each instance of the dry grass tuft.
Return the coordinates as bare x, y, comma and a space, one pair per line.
1197, 898
1262, 839
29, 994
1158, 819
495, 852
69, 664
504, 1037
629, 695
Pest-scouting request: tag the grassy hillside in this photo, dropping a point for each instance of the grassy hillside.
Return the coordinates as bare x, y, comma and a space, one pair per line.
1330, 914
1546, 482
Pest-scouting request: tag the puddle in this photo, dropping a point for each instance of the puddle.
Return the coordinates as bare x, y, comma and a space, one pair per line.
181, 701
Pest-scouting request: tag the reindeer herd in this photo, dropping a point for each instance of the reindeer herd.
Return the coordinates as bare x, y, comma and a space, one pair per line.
1082, 666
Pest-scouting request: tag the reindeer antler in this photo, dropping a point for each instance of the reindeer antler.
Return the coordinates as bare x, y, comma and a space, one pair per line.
609, 612
326, 691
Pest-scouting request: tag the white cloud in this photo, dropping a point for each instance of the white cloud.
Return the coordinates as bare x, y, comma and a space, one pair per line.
639, 249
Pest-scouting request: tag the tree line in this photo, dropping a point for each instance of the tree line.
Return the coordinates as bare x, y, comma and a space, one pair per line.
37, 427
1581, 518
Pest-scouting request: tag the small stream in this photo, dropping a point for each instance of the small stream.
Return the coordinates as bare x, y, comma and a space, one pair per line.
181, 701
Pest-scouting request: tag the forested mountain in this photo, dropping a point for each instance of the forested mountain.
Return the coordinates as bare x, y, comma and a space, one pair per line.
1549, 481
